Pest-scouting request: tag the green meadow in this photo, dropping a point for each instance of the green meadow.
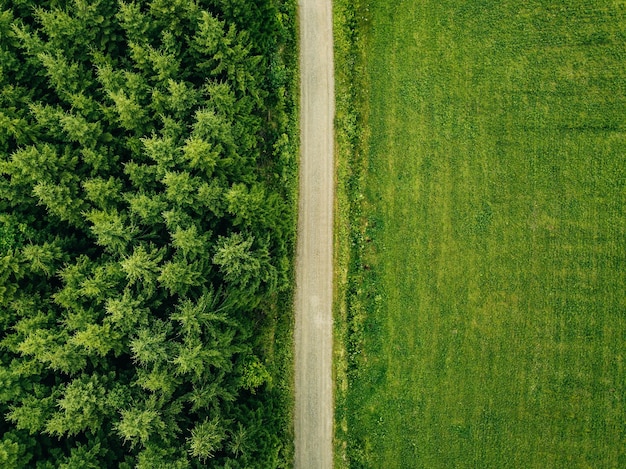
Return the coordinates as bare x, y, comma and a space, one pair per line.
486, 218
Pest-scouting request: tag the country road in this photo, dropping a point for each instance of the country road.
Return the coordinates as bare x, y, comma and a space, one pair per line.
313, 419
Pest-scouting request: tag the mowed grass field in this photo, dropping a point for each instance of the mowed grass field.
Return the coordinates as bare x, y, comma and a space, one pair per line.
492, 267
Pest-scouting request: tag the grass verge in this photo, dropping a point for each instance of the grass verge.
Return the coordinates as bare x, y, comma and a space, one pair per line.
350, 137
276, 337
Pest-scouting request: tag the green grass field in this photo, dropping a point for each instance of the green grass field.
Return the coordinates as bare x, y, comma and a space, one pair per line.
488, 306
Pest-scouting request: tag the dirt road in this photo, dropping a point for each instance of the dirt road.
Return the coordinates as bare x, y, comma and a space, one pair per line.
314, 263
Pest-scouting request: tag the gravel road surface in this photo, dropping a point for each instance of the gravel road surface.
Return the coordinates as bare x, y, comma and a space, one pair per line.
314, 263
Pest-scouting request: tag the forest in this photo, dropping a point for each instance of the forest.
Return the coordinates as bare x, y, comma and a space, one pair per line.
147, 183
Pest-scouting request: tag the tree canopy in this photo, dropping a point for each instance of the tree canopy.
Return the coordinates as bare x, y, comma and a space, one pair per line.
146, 227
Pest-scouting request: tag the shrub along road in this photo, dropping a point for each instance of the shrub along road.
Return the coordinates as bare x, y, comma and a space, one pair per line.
313, 332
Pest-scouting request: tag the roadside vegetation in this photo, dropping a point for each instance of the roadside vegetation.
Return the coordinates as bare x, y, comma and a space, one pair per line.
148, 155
351, 84
481, 234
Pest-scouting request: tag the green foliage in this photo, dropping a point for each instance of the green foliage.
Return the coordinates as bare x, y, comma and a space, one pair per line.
236, 260
179, 276
142, 267
42, 258
142, 232
206, 439
111, 230
14, 451
84, 457
104, 194
32, 412
82, 406
150, 346
137, 426
255, 375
